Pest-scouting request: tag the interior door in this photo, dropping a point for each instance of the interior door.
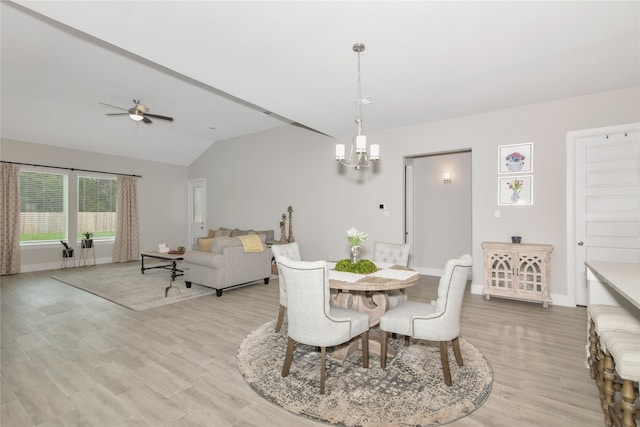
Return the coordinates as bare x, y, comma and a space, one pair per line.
607, 200
197, 209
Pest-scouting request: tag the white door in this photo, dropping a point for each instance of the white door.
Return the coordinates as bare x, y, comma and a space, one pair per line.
606, 200
197, 209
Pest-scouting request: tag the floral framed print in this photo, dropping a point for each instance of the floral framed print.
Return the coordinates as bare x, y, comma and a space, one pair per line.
515, 190
517, 158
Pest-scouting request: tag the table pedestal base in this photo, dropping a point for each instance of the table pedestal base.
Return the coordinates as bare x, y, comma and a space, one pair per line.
374, 304
344, 351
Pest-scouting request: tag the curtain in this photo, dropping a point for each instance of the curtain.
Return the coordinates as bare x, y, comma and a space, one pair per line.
10, 220
127, 244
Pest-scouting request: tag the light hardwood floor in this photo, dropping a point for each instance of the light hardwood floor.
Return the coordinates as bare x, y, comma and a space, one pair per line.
70, 358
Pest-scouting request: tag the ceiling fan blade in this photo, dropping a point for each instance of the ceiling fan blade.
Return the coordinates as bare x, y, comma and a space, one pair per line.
113, 106
155, 116
146, 120
117, 114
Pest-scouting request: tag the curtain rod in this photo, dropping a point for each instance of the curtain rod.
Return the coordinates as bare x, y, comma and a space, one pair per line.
71, 169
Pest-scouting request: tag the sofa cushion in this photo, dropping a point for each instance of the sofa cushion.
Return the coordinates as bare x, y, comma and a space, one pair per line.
205, 244
238, 232
267, 233
219, 232
223, 232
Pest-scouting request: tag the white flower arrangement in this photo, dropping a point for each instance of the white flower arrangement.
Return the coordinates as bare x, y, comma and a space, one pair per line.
356, 237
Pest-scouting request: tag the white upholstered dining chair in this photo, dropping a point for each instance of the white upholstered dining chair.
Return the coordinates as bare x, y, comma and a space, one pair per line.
291, 251
393, 253
437, 321
312, 320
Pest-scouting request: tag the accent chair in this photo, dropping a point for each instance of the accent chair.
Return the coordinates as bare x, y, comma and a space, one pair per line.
291, 251
437, 321
312, 320
393, 253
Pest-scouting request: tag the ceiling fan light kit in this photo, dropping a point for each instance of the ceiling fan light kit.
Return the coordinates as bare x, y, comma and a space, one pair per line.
358, 157
137, 113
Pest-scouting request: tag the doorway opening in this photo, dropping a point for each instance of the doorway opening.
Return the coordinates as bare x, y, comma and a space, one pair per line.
438, 209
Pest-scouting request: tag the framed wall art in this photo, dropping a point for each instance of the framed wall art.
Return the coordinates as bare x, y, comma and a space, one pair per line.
517, 158
515, 190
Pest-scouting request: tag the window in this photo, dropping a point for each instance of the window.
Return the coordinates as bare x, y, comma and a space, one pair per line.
43, 213
97, 207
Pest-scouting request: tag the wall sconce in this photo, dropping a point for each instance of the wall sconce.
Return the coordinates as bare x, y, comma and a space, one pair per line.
446, 178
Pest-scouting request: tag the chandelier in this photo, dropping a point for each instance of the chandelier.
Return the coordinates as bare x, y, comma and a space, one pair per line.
358, 157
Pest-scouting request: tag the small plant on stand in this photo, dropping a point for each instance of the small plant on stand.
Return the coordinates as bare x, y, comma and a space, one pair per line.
87, 242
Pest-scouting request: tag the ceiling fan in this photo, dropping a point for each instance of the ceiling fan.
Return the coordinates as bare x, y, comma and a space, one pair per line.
137, 113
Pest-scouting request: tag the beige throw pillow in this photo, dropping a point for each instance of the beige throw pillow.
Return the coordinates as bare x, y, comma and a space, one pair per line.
206, 244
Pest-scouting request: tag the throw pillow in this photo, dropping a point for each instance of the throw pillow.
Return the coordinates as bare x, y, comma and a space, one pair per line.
238, 232
223, 232
206, 244
212, 233
268, 233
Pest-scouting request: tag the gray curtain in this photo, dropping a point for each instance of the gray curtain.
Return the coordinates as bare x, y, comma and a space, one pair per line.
127, 244
10, 219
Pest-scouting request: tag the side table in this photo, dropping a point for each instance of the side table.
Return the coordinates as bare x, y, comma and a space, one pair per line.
67, 258
84, 256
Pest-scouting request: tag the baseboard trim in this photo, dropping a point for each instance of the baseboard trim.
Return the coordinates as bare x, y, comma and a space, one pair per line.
28, 268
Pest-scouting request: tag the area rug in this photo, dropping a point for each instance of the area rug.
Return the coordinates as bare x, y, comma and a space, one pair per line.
122, 283
409, 392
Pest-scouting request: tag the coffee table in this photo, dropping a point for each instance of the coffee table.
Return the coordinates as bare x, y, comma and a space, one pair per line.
173, 258
175, 271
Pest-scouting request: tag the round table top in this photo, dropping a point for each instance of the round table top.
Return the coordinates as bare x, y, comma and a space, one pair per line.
375, 283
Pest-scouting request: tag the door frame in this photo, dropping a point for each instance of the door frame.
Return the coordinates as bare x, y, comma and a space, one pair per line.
201, 182
572, 138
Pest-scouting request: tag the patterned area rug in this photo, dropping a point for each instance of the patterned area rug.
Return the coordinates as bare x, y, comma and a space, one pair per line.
409, 392
123, 284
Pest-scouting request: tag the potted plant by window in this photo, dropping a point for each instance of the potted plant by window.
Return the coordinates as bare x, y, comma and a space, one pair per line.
87, 242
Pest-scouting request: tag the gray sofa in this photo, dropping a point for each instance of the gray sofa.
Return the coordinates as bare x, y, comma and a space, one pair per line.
226, 264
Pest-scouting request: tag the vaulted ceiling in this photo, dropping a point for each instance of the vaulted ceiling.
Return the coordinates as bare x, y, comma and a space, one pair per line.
224, 69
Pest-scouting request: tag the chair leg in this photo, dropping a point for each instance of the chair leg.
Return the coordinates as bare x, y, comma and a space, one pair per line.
456, 350
407, 340
593, 350
323, 357
288, 357
280, 318
383, 349
365, 349
444, 359
628, 407
608, 387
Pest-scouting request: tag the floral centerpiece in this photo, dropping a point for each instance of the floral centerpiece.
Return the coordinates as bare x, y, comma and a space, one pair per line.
354, 264
356, 237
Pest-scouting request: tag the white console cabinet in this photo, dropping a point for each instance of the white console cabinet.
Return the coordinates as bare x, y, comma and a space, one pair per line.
517, 270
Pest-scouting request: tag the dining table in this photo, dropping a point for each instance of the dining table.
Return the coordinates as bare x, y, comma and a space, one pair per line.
367, 293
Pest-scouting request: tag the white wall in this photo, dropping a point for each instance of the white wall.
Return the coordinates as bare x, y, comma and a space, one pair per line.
162, 198
251, 180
